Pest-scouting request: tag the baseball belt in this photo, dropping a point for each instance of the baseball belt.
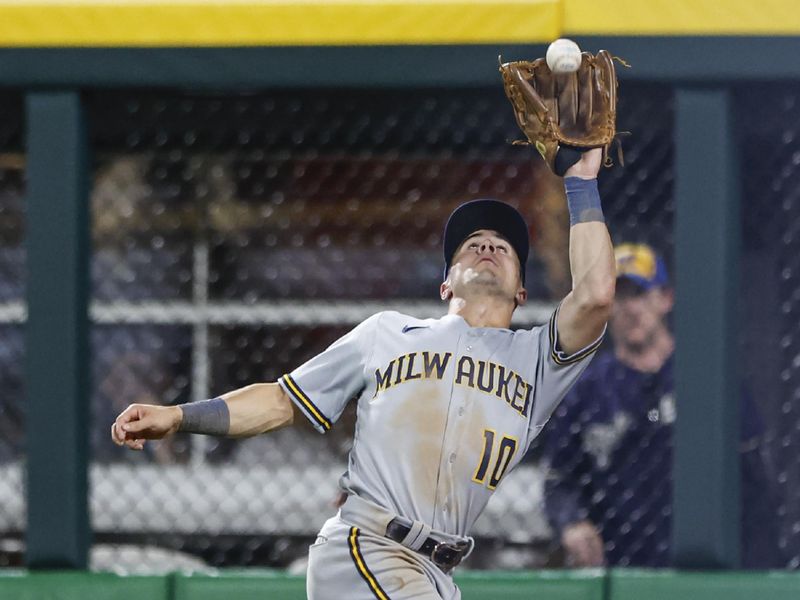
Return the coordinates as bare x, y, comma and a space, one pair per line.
444, 555
414, 535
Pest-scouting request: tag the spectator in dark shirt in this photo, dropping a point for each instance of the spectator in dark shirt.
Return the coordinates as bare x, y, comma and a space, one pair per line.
608, 494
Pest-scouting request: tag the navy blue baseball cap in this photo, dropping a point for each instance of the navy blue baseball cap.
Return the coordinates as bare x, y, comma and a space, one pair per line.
486, 214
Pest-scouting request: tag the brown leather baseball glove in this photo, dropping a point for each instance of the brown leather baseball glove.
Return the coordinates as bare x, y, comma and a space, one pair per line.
574, 111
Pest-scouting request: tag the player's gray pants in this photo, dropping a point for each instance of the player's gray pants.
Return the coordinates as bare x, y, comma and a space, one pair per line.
349, 562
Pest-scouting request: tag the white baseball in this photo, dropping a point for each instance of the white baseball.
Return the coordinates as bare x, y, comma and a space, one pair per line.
563, 56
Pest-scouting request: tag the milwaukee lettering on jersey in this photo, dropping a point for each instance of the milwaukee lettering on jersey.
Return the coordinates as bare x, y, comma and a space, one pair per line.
417, 365
483, 375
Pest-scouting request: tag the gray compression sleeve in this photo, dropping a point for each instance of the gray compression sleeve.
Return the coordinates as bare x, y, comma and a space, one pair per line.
211, 417
583, 200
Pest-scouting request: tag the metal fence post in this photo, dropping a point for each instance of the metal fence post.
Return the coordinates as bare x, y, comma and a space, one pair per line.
57, 365
706, 528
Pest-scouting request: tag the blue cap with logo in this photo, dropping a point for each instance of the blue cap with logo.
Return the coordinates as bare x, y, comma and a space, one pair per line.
640, 264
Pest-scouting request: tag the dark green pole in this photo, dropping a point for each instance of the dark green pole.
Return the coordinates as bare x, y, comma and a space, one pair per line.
57, 331
707, 231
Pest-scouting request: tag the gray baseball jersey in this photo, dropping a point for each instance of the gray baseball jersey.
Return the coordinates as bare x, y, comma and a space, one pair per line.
444, 412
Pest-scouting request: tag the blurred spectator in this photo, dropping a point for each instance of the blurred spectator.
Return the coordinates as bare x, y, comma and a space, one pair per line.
608, 493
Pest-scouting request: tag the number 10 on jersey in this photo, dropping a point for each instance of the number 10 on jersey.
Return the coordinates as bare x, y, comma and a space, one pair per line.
505, 452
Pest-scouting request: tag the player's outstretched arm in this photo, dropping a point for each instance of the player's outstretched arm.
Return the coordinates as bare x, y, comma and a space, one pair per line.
244, 412
258, 408
586, 308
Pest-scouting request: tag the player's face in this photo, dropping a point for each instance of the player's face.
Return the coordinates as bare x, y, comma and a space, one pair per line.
638, 314
486, 262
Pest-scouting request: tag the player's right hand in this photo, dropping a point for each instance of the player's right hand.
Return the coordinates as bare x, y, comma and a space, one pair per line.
141, 422
583, 545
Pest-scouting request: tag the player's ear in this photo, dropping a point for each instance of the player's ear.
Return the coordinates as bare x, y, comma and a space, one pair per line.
521, 296
445, 291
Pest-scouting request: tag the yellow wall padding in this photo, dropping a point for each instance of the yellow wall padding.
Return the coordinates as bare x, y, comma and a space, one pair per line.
275, 22
682, 17
353, 22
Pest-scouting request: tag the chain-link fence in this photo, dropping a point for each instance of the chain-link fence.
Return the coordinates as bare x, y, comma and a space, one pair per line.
269, 225
12, 346
770, 144
236, 236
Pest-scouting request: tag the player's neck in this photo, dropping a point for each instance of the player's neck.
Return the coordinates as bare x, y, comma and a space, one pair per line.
648, 357
488, 311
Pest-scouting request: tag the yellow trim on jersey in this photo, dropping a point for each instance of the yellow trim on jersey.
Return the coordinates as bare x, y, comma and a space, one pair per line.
361, 566
305, 402
555, 354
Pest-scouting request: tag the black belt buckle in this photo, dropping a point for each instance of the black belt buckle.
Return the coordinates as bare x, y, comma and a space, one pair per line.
446, 556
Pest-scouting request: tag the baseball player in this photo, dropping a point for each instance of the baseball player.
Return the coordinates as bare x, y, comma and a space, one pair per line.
445, 407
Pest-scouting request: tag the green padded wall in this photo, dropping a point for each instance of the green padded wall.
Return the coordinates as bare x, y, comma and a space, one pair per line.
672, 585
78, 585
263, 585
540, 585
242, 585
620, 584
